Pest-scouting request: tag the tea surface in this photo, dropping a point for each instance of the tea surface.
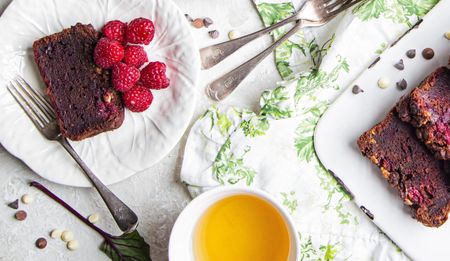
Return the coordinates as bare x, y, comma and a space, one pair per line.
241, 228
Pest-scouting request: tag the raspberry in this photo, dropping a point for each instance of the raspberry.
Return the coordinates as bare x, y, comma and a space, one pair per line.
108, 52
135, 56
140, 31
414, 195
153, 76
124, 77
115, 30
138, 99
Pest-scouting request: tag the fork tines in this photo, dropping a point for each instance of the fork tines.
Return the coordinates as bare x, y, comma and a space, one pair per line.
338, 6
35, 106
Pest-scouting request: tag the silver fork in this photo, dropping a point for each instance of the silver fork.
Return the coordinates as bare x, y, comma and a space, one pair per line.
214, 54
313, 13
43, 117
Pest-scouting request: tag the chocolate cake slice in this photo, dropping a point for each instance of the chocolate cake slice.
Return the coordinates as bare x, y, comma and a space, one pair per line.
422, 181
81, 93
428, 109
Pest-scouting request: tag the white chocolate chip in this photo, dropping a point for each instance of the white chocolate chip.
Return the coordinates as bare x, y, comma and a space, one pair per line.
233, 34
73, 245
384, 82
447, 35
94, 218
56, 233
66, 235
27, 199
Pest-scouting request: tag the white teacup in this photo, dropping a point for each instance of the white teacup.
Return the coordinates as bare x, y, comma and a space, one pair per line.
181, 238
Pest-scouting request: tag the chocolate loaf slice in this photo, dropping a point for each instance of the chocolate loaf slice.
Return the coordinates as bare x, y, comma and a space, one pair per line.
428, 109
422, 181
81, 93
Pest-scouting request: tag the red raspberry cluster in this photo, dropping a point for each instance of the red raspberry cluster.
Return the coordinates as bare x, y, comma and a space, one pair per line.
120, 49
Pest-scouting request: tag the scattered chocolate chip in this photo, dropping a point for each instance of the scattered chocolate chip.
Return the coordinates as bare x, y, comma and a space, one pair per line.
384, 82
411, 53
73, 245
207, 21
56, 233
189, 18
399, 65
213, 34
94, 217
233, 34
198, 23
67, 235
356, 89
41, 243
14, 204
402, 85
20, 215
447, 35
428, 53
27, 199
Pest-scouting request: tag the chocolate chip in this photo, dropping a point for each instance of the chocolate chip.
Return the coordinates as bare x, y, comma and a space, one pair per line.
428, 53
189, 18
356, 89
402, 84
41, 243
213, 34
384, 82
399, 65
198, 23
411, 53
207, 21
447, 35
20, 215
233, 34
14, 204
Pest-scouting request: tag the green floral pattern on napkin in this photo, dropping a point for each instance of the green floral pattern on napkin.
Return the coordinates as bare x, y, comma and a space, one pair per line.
398, 11
274, 149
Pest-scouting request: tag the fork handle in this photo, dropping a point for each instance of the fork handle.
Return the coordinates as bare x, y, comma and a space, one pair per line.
125, 218
214, 54
222, 87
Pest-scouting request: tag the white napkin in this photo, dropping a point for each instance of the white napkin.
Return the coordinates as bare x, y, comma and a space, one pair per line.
273, 149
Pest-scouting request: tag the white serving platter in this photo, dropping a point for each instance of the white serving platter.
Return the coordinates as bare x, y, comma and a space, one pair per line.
144, 138
351, 115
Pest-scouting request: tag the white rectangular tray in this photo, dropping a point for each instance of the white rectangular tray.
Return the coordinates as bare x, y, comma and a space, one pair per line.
351, 115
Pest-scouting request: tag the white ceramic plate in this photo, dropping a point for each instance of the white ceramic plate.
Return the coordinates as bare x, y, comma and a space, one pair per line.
144, 138
351, 115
